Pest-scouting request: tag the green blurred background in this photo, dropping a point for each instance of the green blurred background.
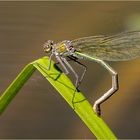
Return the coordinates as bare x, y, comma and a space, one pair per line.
38, 111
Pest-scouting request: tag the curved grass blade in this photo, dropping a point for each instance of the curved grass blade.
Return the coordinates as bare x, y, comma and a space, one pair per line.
15, 86
66, 88
81, 105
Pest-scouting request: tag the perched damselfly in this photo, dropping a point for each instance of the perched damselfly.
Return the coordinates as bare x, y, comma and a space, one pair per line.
119, 47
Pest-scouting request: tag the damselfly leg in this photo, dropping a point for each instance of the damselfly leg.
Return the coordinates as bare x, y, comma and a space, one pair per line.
64, 61
81, 78
50, 59
80, 64
66, 65
60, 60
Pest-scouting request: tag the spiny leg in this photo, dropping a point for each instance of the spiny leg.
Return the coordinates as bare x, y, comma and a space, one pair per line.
111, 91
83, 74
62, 60
85, 69
78, 81
50, 60
59, 58
70, 67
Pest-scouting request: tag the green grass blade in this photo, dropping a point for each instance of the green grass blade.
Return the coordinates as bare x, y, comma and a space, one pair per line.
15, 86
75, 99
66, 88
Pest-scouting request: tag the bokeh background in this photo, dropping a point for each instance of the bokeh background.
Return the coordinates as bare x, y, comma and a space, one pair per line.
38, 111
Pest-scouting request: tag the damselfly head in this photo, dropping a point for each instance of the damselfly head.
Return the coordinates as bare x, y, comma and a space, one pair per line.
48, 46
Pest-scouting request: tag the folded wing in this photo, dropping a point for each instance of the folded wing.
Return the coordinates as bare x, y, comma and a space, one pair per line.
120, 47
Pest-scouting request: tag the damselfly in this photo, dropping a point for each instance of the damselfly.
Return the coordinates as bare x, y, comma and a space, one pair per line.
119, 47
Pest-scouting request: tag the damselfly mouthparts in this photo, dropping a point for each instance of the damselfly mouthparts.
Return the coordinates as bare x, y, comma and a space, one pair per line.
120, 47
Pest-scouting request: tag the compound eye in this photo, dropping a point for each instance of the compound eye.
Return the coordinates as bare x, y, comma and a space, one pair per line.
48, 46
47, 50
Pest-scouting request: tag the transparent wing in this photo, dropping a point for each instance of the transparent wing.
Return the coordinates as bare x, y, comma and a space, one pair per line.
120, 47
